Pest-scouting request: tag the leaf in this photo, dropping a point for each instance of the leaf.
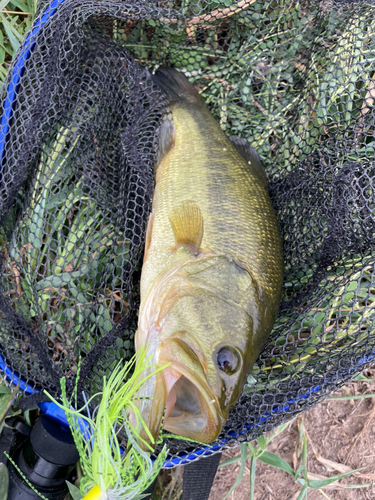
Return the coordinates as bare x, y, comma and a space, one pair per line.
10, 31
6, 400
4, 482
21, 5
325, 482
361, 377
4, 389
251, 380
252, 476
74, 491
299, 471
333, 465
26, 414
335, 486
262, 443
3, 4
243, 448
271, 459
303, 493
271, 435
253, 451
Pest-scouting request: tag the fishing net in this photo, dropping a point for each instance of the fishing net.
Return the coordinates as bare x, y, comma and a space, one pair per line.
78, 144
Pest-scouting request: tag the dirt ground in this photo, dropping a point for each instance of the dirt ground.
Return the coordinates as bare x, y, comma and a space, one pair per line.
341, 433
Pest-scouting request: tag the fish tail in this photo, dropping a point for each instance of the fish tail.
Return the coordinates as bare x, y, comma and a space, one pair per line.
176, 86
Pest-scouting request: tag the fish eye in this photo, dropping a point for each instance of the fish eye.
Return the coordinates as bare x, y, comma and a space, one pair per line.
228, 360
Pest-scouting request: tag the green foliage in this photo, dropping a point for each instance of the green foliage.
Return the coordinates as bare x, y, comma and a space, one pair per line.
75, 492
325, 331
6, 400
58, 254
4, 482
259, 451
16, 17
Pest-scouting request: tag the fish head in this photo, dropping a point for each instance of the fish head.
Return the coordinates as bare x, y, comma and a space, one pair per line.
205, 366
197, 403
207, 369
208, 345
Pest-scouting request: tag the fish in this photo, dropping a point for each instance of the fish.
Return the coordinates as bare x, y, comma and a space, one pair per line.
212, 273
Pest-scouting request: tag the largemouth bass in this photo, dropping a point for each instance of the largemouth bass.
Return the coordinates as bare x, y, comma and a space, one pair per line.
212, 273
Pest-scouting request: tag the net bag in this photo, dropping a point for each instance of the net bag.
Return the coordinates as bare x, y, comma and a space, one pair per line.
78, 144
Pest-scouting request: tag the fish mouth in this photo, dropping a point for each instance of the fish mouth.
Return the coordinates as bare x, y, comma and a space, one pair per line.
191, 413
182, 391
192, 409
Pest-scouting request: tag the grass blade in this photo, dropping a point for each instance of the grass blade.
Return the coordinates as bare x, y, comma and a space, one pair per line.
253, 465
271, 459
4, 482
303, 493
3, 4
343, 398
324, 494
11, 34
21, 5
233, 460
299, 472
243, 457
325, 482
262, 443
271, 435
6, 400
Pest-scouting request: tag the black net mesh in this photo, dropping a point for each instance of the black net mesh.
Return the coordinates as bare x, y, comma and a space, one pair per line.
80, 128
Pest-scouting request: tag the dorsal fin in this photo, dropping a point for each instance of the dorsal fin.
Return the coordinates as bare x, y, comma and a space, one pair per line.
187, 224
176, 86
250, 155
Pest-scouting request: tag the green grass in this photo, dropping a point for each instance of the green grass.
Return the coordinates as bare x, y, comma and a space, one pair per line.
257, 450
15, 21
58, 255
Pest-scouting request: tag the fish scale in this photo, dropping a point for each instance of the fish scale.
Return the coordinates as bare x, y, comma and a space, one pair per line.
237, 212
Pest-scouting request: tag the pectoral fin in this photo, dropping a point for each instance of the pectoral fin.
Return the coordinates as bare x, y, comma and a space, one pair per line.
187, 225
148, 234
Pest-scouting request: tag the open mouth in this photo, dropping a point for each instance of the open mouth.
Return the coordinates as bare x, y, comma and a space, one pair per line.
181, 389
192, 409
186, 409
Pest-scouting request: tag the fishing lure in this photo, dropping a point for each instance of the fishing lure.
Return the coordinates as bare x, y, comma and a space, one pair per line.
111, 472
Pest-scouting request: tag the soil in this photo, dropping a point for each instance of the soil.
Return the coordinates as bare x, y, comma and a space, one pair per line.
342, 432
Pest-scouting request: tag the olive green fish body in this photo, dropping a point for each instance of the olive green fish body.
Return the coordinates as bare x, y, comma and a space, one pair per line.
212, 273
